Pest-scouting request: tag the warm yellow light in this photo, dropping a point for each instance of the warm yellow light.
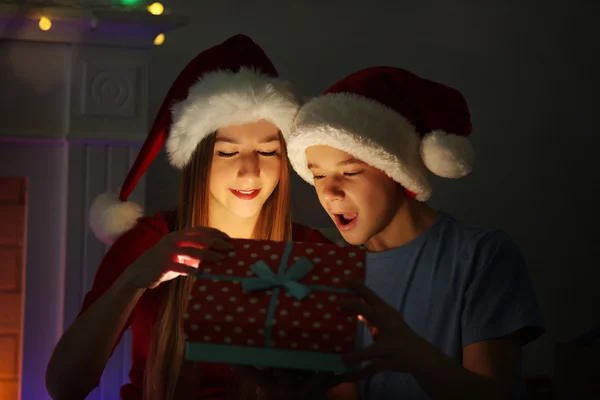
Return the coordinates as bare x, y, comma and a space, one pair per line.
156, 8
160, 39
45, 23
189, 261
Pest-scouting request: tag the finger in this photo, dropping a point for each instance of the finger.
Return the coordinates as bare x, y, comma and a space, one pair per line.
369, 353
205, 242
201, 255
367, 323
182, 269
183, 259
364, 310
205, 230
367, 371
257, 376
364, 292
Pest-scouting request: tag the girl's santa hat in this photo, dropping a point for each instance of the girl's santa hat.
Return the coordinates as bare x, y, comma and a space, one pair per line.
229, 84
394, 121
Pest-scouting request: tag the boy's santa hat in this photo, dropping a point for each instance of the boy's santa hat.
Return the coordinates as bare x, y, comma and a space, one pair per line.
394, 121
229, 84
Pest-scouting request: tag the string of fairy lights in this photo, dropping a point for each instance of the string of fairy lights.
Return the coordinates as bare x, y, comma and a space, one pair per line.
45, 21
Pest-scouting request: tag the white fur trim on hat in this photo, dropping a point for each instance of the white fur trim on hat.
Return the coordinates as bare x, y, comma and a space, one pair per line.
223, 98
448, 156
110, 217
367, 130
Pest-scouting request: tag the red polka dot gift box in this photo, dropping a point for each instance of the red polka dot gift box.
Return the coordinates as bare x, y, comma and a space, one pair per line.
275, 304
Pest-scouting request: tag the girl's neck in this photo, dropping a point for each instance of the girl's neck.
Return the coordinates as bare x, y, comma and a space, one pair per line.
224, 220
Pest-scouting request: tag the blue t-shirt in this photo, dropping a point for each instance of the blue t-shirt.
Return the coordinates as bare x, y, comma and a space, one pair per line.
454, 285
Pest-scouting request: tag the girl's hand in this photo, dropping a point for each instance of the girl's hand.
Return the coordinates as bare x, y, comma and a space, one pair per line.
178, 253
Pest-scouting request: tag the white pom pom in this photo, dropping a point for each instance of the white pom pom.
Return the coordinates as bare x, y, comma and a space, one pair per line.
110, 217
448, 156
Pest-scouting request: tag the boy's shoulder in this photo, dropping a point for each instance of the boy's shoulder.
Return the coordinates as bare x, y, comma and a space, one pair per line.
472, 236
479, 248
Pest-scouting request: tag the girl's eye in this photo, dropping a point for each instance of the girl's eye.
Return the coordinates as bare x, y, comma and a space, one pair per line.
318, 177
268, 153
226, 155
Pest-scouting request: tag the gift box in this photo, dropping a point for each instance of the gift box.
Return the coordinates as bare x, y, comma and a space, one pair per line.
275, 304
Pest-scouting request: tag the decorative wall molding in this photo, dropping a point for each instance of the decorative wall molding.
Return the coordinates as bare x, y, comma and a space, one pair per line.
110, 90
81, 92
45, 169
109, 94
95, 169
74, 115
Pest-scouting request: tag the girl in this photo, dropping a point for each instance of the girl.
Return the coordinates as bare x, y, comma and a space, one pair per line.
226, 131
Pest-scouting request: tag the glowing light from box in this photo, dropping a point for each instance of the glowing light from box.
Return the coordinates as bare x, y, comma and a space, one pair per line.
45, 23
160, 39
189, 261
156, 8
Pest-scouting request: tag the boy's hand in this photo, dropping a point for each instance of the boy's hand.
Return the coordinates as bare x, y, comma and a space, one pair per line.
396, 346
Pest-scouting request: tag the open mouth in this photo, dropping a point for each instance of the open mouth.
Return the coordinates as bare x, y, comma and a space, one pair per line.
245, 194
345, 221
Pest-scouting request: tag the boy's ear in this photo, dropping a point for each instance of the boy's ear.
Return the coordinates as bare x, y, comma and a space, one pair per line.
403, 195
405, 192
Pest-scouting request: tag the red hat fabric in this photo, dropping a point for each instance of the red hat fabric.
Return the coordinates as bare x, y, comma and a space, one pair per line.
393, 120
228, 84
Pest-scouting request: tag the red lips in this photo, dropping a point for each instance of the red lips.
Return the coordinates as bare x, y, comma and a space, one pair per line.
245, 194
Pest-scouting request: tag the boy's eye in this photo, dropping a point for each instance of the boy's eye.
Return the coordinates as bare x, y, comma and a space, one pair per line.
226, 155
268, 153
352, 173
315, 177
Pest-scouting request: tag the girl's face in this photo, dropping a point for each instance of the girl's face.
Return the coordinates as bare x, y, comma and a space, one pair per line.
246, 167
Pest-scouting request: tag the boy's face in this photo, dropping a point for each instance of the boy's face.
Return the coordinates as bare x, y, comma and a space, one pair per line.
360, 199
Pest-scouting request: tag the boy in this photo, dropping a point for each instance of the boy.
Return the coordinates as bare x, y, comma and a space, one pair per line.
453, 303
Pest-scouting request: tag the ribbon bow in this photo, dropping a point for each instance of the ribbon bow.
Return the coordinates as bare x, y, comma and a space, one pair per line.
267, 278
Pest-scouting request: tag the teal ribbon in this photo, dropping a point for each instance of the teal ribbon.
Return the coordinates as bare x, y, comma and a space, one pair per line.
267, 279
287, 279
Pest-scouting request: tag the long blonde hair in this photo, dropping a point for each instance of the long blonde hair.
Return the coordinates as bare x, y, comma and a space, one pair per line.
165, 356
